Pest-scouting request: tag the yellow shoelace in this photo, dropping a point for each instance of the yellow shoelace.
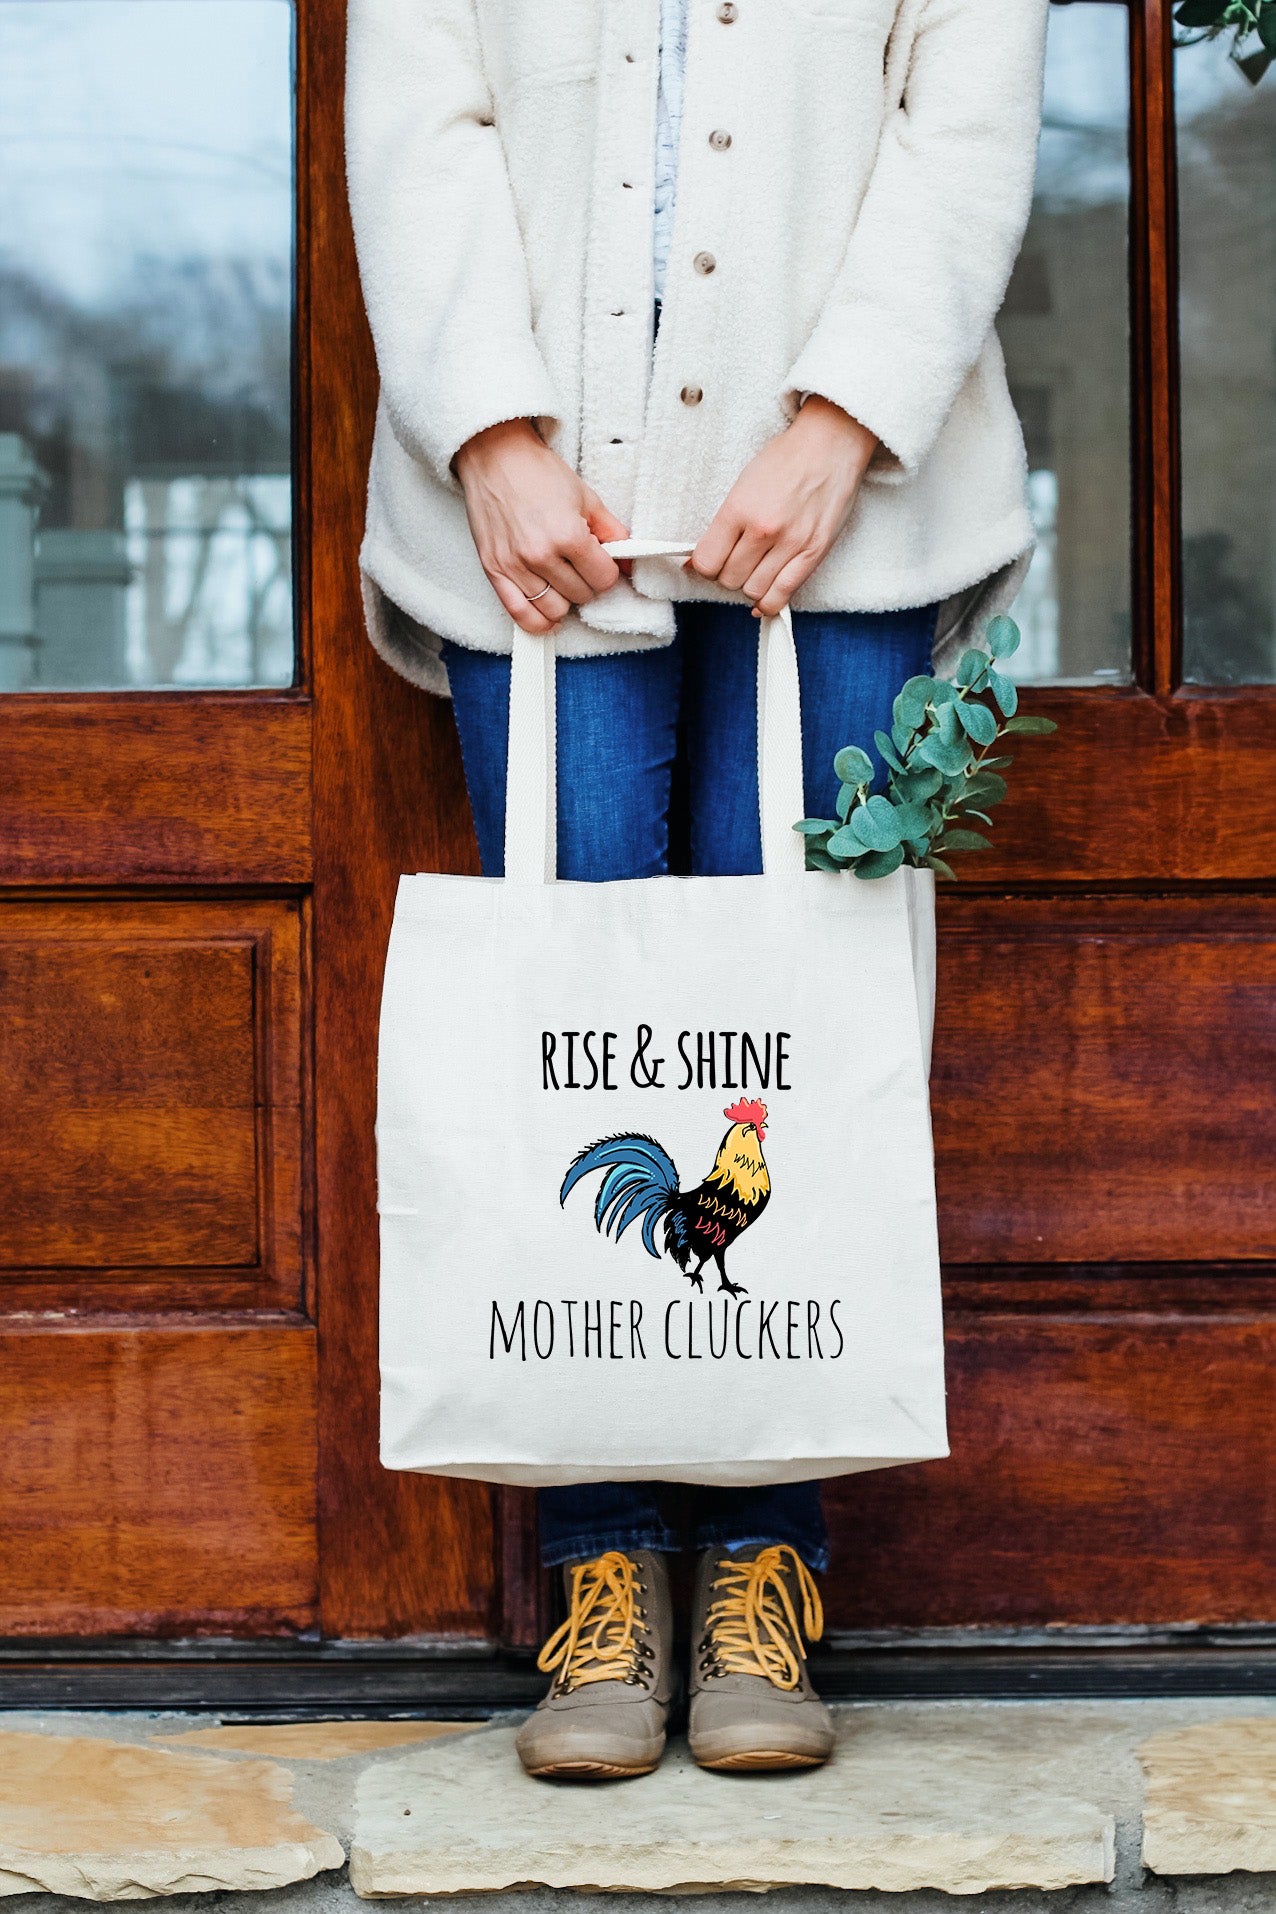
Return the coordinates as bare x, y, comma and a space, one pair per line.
601, 1639
752, 1628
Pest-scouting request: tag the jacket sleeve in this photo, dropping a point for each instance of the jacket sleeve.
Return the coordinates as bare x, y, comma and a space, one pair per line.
942, 220
440, 254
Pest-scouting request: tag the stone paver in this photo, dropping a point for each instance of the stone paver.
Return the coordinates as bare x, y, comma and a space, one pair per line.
914, 1798
313, 1740
1210, 1805
108, 1822
950, 1791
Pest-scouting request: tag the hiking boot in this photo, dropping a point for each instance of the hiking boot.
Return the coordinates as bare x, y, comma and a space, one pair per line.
752, 1703
612, 1662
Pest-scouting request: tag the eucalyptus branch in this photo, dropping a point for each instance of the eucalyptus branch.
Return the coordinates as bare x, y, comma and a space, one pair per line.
941, 773
1251, 23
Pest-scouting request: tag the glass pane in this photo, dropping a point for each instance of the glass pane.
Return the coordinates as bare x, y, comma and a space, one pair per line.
1065, 330
145, 343
1227, 326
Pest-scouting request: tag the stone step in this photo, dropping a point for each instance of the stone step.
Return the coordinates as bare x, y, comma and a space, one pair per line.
103, 1821
967, 1804
1041, 1804
1210, 1801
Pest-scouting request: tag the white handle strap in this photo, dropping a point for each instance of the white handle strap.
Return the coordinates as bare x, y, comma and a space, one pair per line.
531, 811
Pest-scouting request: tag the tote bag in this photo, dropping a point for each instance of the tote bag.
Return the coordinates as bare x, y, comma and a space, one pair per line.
656, 1184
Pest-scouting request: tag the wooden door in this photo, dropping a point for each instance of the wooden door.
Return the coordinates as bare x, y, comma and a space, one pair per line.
197, 855
198, 885
1106, 1035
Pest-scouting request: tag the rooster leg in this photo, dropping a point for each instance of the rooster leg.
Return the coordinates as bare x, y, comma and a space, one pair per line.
724, 1281
696, 1276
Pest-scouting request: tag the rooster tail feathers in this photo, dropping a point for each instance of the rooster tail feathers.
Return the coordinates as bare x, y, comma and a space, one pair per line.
639, 1180
641, 1155
678, 1237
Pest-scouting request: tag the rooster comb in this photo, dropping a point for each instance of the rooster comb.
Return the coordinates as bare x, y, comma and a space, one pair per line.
746, 1112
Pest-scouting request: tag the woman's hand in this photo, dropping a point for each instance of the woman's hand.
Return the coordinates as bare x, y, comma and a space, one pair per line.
535, 523
787, 507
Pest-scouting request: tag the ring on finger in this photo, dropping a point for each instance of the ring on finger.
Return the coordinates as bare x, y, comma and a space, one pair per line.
533, 596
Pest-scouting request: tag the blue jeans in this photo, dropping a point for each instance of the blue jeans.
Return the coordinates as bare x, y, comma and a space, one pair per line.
622, 721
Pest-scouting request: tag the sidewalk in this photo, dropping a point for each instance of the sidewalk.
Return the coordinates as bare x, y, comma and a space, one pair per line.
1152, 1806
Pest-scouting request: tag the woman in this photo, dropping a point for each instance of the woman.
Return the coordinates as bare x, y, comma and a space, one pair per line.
810, 210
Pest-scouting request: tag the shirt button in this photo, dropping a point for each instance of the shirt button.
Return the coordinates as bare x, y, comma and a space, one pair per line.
727, 12
704, 262
719, 141
691, 395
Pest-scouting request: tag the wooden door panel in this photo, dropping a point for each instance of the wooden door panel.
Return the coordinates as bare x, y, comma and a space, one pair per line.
157, 1479
1102, 1080
1115, 1470
1137, 789
162, 787
150, 1135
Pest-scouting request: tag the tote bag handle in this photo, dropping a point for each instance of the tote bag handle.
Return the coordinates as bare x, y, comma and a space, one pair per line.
531, 809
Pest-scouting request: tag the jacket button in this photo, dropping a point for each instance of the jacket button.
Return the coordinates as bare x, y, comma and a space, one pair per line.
719, 141
704, 262
727, 12
691, 395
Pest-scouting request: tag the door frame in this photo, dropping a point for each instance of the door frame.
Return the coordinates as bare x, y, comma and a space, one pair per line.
429, 1589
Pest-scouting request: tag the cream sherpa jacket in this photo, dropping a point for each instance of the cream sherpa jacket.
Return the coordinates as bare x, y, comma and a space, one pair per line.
852, 238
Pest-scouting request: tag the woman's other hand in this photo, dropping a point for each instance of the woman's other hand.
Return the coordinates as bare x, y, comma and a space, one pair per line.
535, 523
787, 507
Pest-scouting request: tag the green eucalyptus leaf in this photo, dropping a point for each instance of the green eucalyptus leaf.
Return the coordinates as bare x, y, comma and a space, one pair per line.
1003, 690
887, 751
853, 766
875, 825
903, 736
941, 692
912, 700
986, 787
919, 785
968, 810
995, 764
815, 826
962, 841
1003, 636
972, 667
1267, 29
1028, 725
912, 820
845, 843
941, 869
880, 863
818, 860
846, 797
977, 721
949, 758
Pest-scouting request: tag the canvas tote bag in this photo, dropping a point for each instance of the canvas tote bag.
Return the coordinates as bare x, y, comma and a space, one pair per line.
656, 1184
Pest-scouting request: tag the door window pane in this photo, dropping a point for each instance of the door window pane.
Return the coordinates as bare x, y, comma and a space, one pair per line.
145, 343
1065, 330
1227, 329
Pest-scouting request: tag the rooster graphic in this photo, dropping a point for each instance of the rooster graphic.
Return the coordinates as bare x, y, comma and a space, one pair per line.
640, 1181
